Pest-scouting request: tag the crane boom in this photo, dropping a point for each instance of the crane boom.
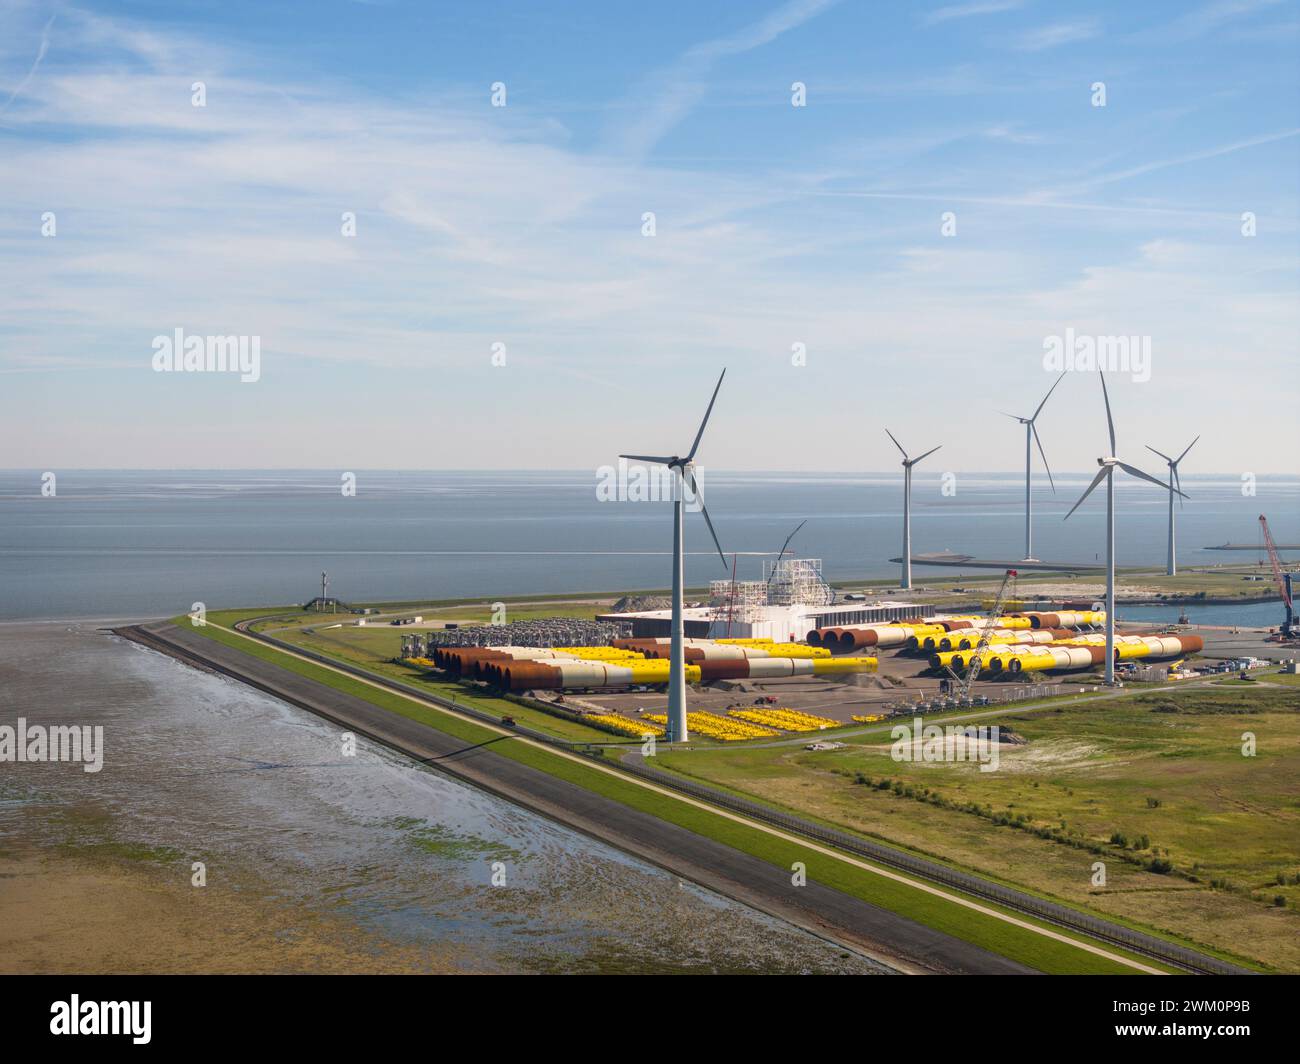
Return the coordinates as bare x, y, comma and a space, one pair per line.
976, 658
1283, 584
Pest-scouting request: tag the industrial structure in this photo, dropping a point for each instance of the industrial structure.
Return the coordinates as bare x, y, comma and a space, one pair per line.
792, 600
976, 659
1280, 579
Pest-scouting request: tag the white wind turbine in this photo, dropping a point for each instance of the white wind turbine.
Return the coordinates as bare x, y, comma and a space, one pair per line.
907, 507
1107, 473
685, 468
1031, 435
1171, 566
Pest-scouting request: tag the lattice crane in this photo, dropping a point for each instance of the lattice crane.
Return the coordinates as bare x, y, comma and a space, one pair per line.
1281, 579
976, 659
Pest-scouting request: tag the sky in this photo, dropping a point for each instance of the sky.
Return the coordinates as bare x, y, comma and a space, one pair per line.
898, 251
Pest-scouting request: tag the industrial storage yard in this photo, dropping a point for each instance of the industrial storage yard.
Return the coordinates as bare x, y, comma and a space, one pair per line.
590, 664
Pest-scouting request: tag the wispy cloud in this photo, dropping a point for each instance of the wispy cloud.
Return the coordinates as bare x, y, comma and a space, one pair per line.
972, 10
1208, 18
1055, 35
677, 88
1180, 160
31, 73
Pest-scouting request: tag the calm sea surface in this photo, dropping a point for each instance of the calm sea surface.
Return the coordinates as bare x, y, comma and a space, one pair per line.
135, 544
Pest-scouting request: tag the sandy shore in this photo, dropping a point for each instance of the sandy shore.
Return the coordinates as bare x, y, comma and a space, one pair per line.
64, 914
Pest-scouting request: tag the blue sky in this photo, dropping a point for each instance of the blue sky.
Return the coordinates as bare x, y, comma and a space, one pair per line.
522, 225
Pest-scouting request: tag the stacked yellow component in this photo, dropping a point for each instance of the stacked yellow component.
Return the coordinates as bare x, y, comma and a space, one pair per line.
623, 725
655, 670
601, 653
869, 718
785, 719
716, 727
796, 650
822, 666
778, 650
424, 662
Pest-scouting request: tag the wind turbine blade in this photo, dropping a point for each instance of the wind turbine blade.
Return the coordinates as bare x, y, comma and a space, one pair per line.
1189, 447
1014, 417
1047, 396
1133, 471
927, 454
695, 490
1160, 453
1110, 421
698, 435
1178, 485
1101, 475
896, 444
657, 459
1043, 454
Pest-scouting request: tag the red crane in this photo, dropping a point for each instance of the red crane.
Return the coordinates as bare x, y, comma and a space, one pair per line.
1282, 580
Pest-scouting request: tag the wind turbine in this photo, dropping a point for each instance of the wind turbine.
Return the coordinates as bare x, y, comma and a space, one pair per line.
907, 507
685, 468
1107, 473
1031, 431
1171, 567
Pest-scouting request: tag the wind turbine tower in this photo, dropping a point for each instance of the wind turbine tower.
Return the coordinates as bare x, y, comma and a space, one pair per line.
1107, 473
1031, 437
1171, 566
685, 471
907, 507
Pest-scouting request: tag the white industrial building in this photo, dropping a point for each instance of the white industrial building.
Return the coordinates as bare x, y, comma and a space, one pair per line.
785, 607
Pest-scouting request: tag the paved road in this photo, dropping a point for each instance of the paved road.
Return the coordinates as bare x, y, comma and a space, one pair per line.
903, 943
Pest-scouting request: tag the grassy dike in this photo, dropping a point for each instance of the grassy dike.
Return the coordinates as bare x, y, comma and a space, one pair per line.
1023, 944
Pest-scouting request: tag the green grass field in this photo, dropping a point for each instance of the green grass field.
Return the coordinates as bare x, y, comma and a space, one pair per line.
1162, 771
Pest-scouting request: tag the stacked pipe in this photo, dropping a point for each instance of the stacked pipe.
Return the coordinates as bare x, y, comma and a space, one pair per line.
774, 649
964, 640
559, 675
554, 674
461, 659
1057, 658
1127, 648
991, 657
855, 638
1156, 647
1002, 660
1065, 619
773, 668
